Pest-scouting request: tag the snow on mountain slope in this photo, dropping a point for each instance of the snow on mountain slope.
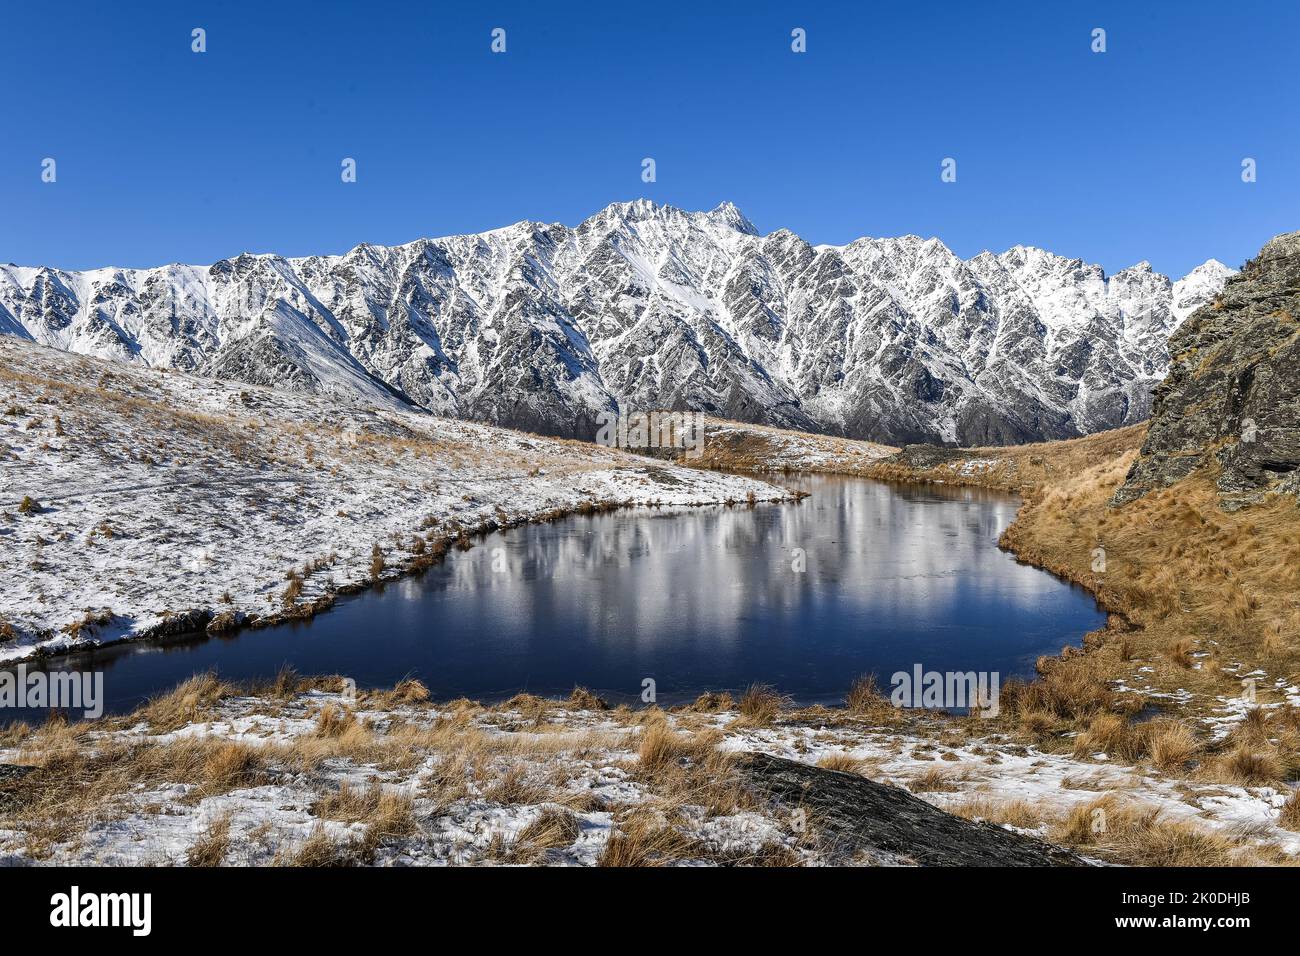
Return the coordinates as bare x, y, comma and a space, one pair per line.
129, 496
545, 327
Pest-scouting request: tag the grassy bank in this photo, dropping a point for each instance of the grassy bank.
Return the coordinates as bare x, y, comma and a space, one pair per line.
293, 773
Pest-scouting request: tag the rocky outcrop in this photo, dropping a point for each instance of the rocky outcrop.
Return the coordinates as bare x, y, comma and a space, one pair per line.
858, 818
1231, 400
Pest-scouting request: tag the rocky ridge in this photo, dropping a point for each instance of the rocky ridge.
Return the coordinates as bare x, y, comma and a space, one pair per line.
1231, 399
545, 328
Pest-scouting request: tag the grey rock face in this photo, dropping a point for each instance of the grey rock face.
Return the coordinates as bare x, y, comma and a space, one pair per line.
642, 306
1232, 395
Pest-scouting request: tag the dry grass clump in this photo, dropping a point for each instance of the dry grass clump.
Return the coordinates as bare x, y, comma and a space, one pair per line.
1171, 744
649, 837
213, 844
1138, 836
13, 734
227, 765
583, 699
406, 692
1061, 695
662, 748
760, 705
1110, 734
1247, 766
1179, 652
293, 590
690, 769
88, 622
713, 702
1289, 818
841, 762
288, 684
934, 780
450, 779
1012, 813
352, 804
529, 706
187, 703
644, 844
864, 697
320, 849
386, 813
555, 828
333, 721
515, 787
1254, 727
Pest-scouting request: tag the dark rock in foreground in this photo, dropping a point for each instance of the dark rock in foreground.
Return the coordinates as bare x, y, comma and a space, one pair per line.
862, 816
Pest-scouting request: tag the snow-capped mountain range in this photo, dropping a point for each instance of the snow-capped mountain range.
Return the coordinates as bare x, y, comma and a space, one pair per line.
646, 306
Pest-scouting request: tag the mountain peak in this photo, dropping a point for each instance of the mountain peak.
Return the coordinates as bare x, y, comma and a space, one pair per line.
642, 209
1211, 267
728, 213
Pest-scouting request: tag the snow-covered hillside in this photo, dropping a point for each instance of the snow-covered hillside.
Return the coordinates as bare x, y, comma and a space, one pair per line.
544, 327
130, 497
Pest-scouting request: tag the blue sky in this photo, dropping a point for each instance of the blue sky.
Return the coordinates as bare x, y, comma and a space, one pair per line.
167, 155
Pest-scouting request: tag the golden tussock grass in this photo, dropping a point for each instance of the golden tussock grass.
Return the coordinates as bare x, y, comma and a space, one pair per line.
213, 844
1179, 651
646, 840
334, 721
319, 850
1245, 765
662, 749
552, 829
1139, 835
841, 762
690, 768
1061, 694
712, 702
760, 705
934, 780
649, 837
1170, 745
864, 698
376, 803
514, 787
71, 785
1015, 813
1109, 734
407, 692
1289, 818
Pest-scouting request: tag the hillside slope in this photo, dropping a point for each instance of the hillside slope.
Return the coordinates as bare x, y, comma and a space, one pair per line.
135, 501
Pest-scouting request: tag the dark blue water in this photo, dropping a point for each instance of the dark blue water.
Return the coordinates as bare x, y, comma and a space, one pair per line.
700, 599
